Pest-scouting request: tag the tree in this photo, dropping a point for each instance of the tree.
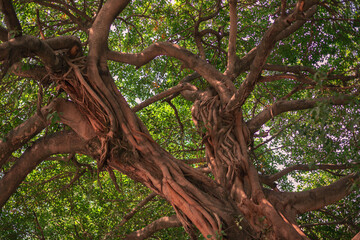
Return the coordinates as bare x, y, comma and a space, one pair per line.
271, 85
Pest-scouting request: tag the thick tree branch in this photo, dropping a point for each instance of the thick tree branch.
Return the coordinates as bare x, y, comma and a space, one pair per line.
356, 237
37, 73
62, 142
3, 34
65, 42
304, 167
159, 224
263, 50
293, 69
11, 20
244, 63
99, 31
190, 60
102, 83
310, 9
284, 106
23, 133
320, 197
232, 39
68, 114
178, 88
25, 46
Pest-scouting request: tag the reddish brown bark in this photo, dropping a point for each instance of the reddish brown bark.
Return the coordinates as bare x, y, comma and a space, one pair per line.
105, 127
62, 142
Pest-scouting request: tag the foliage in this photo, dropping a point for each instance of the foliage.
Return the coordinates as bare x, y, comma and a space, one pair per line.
66, 198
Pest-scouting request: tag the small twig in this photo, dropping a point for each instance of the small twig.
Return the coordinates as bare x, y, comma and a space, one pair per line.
113, 178
39, 226
321, 224
177, 116
39, 102
283, 8
38, 22
130, 214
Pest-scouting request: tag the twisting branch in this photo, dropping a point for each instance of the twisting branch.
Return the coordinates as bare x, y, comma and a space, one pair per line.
113, 178
62, 142
197, 35
263, 50
177, 116
141, 204
215, 78
39, 226
38, 22
23, 133
65, 10
96, 63
72, 8
25, 46
157, 225
68, 114
284, 106
37, 73
178, 88
244, 63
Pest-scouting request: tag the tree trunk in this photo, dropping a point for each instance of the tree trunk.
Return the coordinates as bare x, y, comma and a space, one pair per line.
232, 206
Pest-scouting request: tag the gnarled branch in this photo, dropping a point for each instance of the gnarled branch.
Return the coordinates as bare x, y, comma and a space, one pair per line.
206, 70
62, 142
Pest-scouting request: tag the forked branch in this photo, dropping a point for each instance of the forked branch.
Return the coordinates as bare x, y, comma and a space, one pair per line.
61, 142
190, 60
